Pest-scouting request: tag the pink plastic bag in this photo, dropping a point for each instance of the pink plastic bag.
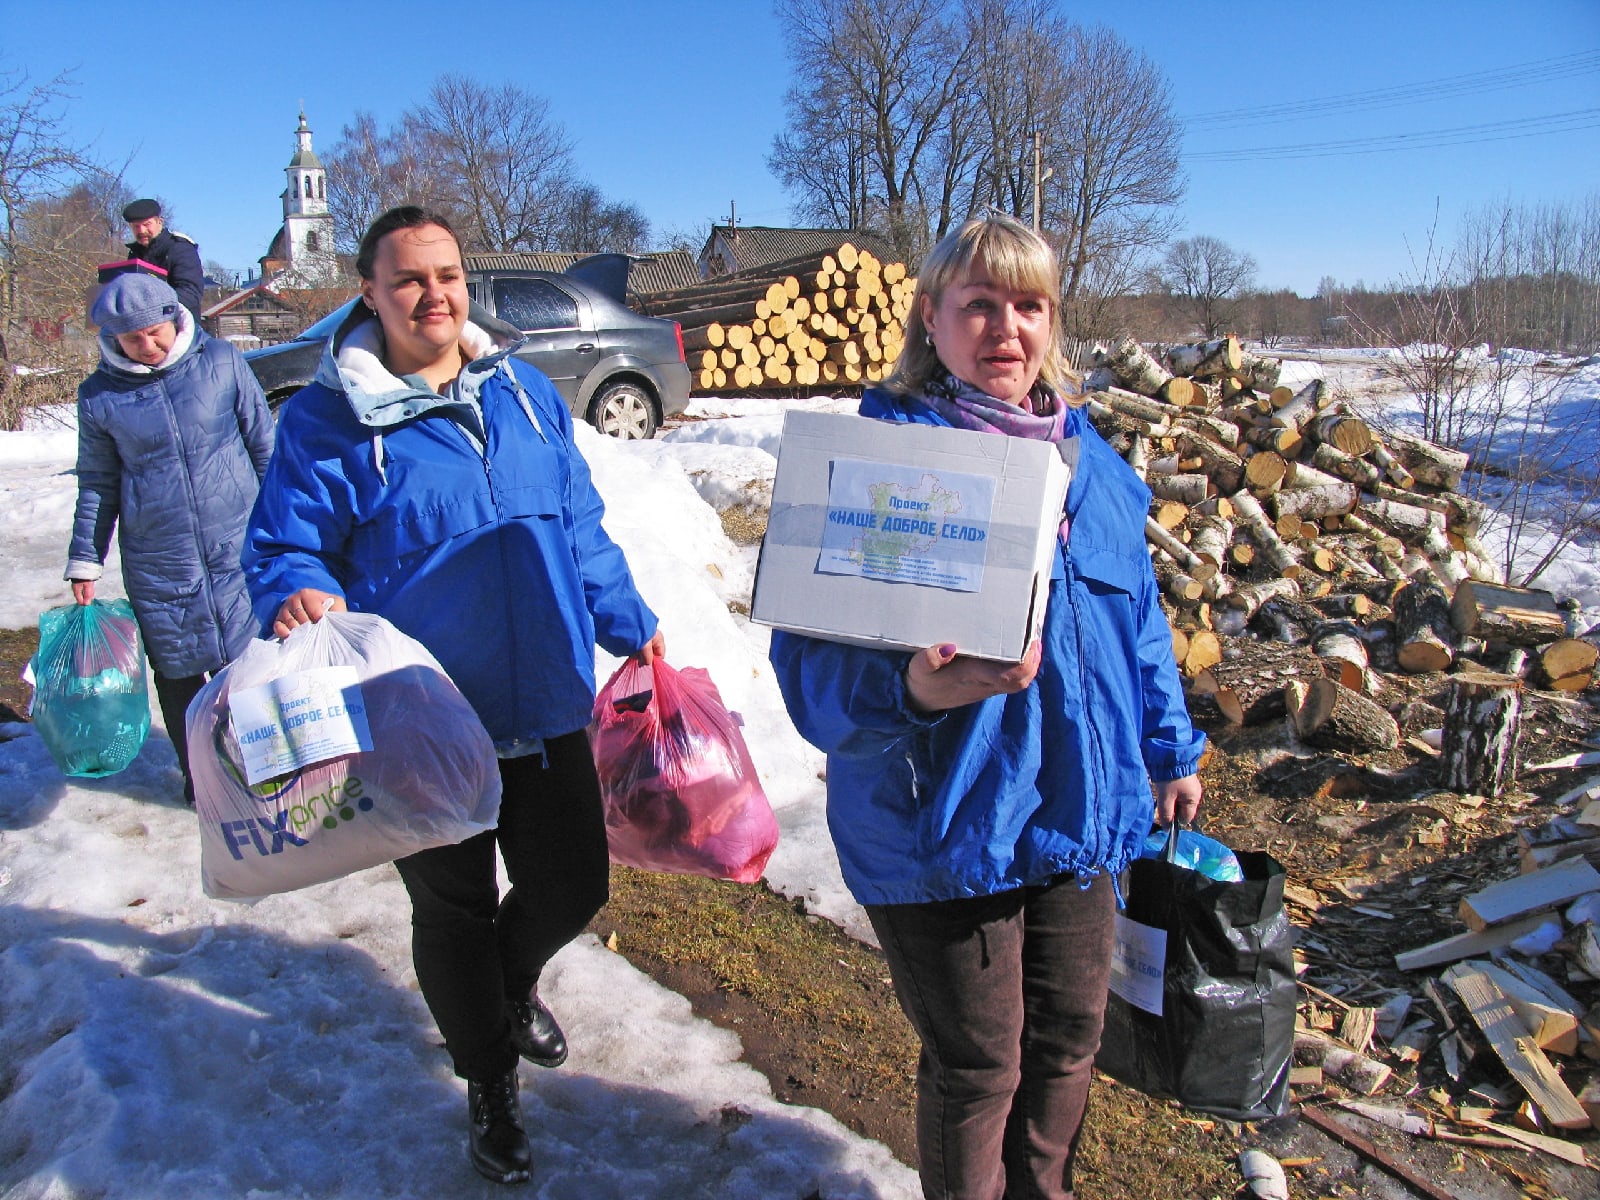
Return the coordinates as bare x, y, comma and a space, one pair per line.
681, 794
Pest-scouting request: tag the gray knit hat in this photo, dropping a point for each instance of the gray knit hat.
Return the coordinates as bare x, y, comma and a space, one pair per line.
134, 301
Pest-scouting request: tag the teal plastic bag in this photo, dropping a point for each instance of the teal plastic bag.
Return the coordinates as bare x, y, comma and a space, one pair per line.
90, 702
1196, 852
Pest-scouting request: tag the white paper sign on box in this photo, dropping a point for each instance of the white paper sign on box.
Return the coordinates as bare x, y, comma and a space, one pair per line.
298, 720
903, 536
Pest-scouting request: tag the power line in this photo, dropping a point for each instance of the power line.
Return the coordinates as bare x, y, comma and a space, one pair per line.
1460, 135
1539, 71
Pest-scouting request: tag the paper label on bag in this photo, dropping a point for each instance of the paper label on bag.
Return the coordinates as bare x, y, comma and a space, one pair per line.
907, 524
299, 720
1138, 962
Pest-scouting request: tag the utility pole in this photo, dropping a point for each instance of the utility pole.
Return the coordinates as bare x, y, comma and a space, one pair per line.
1040, 174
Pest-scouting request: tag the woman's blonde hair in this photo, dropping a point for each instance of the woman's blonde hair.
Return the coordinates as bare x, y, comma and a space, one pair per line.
1012, 255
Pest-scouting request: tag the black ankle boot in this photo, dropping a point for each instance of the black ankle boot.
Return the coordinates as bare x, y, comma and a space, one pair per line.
498, 1146
535, 1034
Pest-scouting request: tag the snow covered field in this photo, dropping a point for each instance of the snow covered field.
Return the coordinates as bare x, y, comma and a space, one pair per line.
156, 1043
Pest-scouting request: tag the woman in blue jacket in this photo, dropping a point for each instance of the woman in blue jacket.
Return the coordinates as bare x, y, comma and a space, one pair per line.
173, 437
430, 477
981, 809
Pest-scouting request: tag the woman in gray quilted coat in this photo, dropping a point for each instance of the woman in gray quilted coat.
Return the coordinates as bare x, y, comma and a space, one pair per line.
173, 437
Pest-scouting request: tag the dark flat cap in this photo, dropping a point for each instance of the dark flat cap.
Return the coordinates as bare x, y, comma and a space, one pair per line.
141, 210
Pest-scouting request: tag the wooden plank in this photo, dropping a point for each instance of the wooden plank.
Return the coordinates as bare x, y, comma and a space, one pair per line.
1552, 1028
1509, 1039
1466, 945
1358, 1025
1305, 1077
1567, 1151
1538, 890
1536, 858
1589, 1098
1586, 791
1401, 1170
1567, 761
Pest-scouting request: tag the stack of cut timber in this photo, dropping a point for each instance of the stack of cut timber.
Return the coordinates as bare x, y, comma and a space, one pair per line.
830, 320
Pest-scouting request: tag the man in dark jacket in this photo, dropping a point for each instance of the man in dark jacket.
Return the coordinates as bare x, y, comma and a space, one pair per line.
174, 253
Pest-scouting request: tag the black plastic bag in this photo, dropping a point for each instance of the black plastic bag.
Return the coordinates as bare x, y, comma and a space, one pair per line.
1223, 1040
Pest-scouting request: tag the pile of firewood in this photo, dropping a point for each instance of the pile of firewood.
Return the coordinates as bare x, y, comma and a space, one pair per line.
821, 319
1319, 574
1498, 992
1281, 513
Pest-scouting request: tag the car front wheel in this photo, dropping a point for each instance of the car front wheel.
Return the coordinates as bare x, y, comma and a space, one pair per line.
624, 410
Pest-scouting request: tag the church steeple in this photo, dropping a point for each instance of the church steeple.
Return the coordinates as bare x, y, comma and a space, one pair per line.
302, 253
307, 190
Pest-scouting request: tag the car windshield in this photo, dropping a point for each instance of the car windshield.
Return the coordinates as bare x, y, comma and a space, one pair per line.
325, 328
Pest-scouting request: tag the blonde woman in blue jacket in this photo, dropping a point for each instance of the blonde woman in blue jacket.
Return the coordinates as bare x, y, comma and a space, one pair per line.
429, 476
981, 810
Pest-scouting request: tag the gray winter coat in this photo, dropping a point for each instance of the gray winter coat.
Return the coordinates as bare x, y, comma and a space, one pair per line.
173, 456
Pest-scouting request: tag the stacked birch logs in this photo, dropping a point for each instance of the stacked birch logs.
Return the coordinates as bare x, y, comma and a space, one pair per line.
819, 320
1278, 511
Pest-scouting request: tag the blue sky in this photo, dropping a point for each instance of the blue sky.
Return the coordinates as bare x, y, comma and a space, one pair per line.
673, 106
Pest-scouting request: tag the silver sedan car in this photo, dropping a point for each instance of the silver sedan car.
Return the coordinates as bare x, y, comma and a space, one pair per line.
622, 372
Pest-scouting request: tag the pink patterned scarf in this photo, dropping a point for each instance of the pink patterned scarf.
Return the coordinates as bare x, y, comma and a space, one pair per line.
965, 407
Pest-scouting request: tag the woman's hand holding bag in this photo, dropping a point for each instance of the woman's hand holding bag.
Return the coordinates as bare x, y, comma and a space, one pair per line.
1203, 985
426, 775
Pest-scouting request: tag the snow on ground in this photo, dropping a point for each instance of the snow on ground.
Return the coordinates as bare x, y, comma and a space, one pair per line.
156, 1043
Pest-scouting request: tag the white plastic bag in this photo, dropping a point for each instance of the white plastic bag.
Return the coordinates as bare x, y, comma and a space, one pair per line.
430, 779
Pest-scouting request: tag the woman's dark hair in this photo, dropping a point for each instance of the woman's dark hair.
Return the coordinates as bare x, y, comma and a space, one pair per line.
406, 216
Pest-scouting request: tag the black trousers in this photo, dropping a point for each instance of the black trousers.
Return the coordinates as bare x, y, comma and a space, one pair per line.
1008, 996
174, 696
474, 951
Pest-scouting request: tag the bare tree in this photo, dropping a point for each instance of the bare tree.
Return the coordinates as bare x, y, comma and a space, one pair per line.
1273, 317
875, 84
1019, 76
690, 239
499, 153
1537, 468
1117, 158
1103, 306
490, 159
227, 279
823, 160
370, 171
1533, 270
59, 217
1517, 414
1207, 273
909, 118
587, 223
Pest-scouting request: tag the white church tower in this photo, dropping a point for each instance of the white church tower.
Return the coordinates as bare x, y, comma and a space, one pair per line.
302, 253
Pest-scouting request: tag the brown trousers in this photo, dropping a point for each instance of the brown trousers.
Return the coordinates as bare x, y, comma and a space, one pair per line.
1008, 994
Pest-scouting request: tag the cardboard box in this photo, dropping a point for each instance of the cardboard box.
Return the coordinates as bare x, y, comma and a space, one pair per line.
904, 536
